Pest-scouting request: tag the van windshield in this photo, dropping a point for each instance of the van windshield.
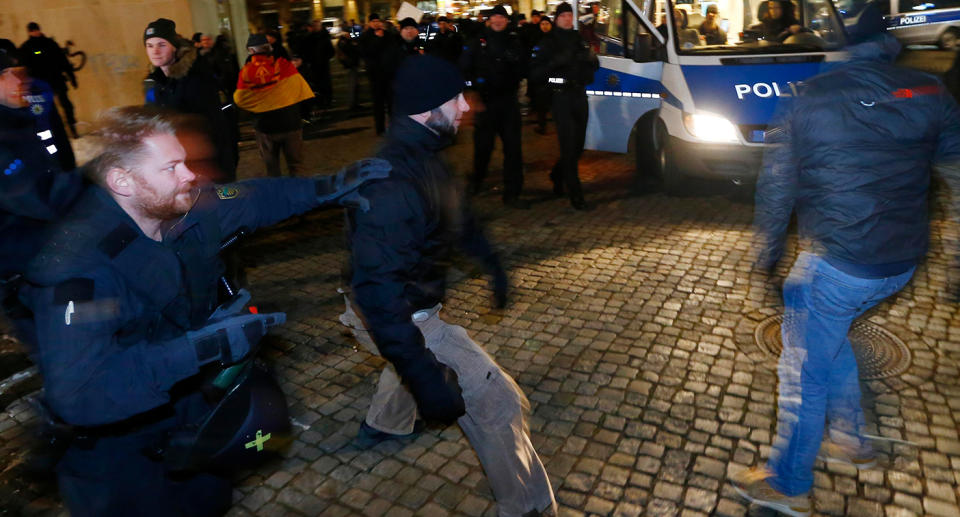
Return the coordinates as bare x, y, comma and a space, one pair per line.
755, 26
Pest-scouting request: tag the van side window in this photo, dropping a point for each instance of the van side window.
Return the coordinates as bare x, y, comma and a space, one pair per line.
641, 45
605, 20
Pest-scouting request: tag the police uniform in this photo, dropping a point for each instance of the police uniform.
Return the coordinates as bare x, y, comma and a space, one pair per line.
113, 309
564, 62
493, 66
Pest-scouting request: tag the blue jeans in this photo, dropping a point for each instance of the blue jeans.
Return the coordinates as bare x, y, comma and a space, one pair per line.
818, 371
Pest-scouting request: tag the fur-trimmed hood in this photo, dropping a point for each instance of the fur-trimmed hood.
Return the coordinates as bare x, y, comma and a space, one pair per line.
186, 57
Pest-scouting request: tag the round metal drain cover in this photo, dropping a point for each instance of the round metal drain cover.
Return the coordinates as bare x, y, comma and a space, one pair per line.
880, 354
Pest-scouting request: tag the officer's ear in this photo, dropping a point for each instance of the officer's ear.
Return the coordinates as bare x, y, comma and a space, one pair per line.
120, 181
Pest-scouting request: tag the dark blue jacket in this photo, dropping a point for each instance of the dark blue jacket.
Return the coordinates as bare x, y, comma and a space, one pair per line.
33, 188
401, 247
112, 306
852, 153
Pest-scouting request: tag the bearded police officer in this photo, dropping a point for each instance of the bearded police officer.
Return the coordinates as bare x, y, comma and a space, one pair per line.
493, 65
564, 61
124, 296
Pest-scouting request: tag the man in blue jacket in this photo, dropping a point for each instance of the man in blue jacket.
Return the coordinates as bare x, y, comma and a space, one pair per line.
400, 250
123, 295
852, 154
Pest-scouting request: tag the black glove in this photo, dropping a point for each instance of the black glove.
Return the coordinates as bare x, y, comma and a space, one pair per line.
341, 188
230, 339
438, 395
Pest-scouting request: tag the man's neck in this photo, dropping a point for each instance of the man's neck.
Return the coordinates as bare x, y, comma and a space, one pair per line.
151, 227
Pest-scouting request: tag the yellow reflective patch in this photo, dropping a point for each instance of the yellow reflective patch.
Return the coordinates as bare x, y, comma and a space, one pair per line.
228, 192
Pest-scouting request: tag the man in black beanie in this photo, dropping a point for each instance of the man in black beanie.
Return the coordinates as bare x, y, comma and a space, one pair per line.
565, 63
379, 48
399, 249
494, 64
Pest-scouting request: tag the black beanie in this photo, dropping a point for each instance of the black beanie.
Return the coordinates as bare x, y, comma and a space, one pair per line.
9, 55
869, 23
257, 40
161, 28
373, 16
409, 22
563, 8
33, 26
424, 82
498, 10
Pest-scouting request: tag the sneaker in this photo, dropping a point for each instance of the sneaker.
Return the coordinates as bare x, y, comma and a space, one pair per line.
753, 486
862, 458
367, 437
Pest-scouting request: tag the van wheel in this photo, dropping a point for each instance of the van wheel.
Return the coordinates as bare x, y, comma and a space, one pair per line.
647, 177
949, 39
666, 163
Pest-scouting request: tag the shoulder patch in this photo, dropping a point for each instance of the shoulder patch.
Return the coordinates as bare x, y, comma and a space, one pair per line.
117, 240
228, 192
73, 290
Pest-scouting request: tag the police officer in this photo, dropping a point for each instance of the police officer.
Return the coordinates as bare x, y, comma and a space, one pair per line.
447, 42
493, 65
564, 61
378, 47
410, 43
34, 190
123, 296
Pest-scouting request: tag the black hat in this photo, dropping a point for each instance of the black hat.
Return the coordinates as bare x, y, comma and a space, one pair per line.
534, 13
373, 16
257, 40
498, 10
424, 82
869, 24
161, 28
442, 19
563, 8
33, 26
409, 22
9, 55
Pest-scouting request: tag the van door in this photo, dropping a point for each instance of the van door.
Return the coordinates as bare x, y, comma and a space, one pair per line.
627, 86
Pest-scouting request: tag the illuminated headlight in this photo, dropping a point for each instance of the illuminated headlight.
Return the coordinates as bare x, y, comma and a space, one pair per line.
711, 128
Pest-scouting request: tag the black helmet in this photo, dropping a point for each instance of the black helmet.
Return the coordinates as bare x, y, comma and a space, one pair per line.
248, 425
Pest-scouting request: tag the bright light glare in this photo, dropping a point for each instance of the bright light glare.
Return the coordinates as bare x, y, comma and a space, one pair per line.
711, 128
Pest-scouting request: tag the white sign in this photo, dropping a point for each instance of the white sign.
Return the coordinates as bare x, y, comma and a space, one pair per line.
407, 10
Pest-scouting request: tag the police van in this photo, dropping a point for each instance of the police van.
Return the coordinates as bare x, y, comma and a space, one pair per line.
694, 104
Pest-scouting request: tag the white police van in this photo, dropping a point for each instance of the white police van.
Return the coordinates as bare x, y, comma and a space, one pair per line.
698, 109
924, 22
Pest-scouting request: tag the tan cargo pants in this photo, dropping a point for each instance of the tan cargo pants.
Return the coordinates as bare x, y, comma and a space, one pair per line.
495, 421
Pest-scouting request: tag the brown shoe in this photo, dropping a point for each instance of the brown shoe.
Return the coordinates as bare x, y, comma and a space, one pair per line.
752, 485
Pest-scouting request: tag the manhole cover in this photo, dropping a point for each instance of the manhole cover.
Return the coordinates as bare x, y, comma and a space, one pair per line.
880, 354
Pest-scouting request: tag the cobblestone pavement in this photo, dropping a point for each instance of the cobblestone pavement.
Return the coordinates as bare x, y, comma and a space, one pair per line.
629, 329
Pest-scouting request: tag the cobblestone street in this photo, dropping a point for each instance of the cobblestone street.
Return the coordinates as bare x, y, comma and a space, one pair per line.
630, 328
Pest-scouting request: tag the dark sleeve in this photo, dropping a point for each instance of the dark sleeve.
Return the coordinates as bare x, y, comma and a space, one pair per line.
33, 188
474, 242
947, 159
466, 62
385, 251
262, 202
540, 61
776, 188
90, 378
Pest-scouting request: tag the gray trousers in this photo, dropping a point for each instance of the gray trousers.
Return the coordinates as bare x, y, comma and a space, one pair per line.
290, 142
495, 422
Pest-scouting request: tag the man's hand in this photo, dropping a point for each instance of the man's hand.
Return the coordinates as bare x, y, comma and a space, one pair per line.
341, 188
439, 400
231, 339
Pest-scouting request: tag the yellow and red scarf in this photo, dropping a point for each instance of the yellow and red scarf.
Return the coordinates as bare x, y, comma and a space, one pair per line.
267, 83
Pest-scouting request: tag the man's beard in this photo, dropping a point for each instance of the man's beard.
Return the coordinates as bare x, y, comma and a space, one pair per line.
440, 124
163, 208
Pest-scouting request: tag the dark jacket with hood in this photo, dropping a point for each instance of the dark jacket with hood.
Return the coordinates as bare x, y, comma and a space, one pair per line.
192, 88
852, 153
563, 54
401, 248
494, 63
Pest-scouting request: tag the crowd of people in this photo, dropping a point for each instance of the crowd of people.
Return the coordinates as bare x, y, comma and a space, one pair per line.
112, 275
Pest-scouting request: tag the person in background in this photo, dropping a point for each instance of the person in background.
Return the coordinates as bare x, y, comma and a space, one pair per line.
46, 61
183, 84
410, 43
348, 53
447, 42
272, 89
378, 47
540, 94
709, 29
275, 39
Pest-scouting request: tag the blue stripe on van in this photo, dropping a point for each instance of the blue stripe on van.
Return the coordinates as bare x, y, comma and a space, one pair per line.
916, 18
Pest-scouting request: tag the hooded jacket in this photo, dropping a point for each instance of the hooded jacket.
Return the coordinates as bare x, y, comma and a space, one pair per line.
189, 87
852, 153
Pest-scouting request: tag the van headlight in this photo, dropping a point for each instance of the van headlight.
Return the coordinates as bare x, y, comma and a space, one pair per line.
711, 128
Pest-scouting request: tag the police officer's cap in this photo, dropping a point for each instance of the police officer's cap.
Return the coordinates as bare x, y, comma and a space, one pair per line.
499, 10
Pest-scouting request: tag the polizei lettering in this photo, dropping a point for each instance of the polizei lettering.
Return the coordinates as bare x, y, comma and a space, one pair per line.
912, 20
763, 90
